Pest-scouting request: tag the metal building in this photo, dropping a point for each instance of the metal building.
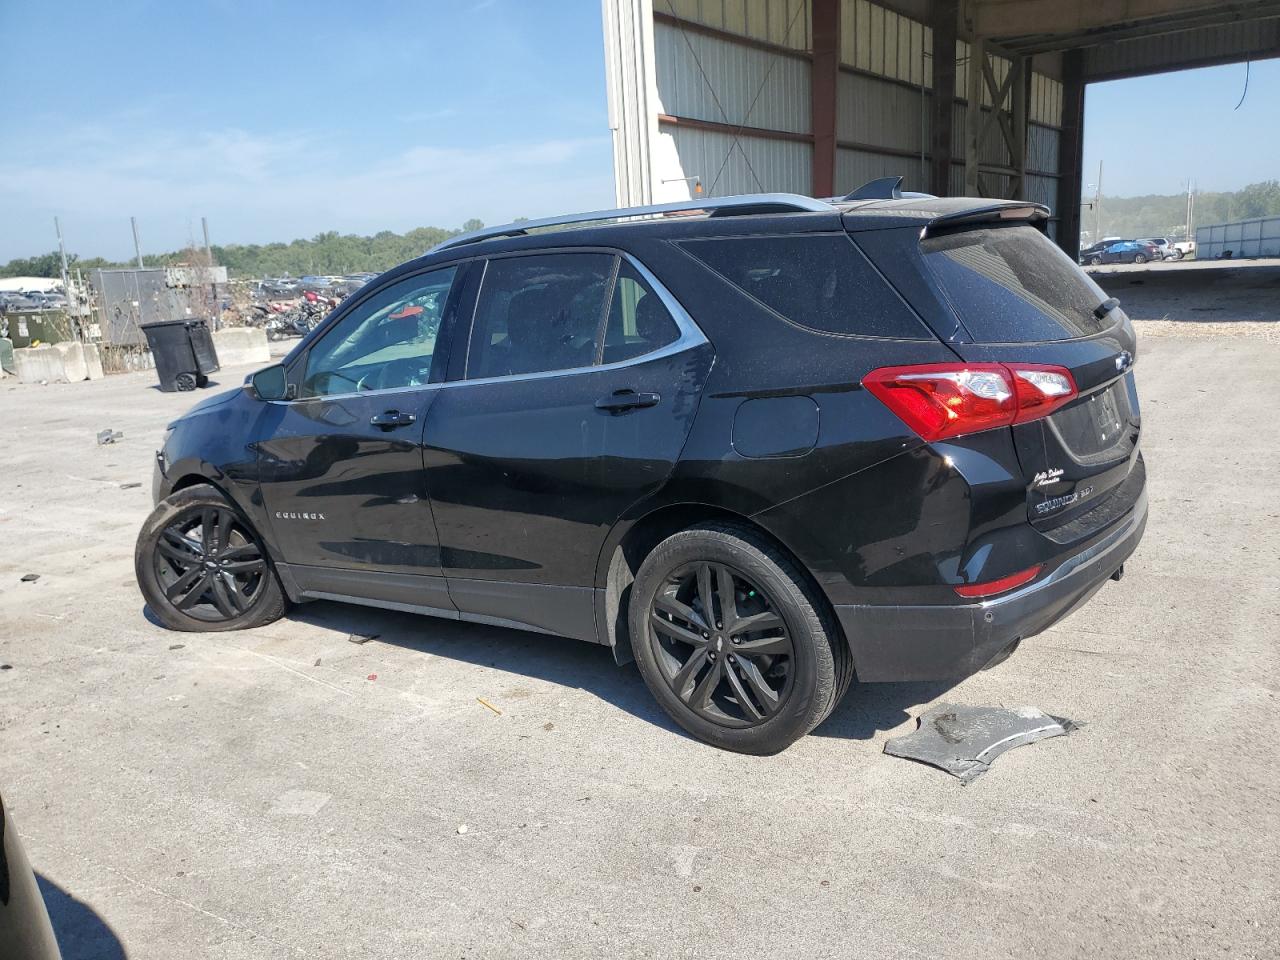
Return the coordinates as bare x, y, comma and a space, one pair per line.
1259, 237
716, 97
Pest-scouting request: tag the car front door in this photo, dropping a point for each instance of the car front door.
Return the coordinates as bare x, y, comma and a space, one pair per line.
581, 378
341, 469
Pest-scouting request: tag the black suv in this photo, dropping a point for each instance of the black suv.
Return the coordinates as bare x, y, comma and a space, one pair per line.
757, 447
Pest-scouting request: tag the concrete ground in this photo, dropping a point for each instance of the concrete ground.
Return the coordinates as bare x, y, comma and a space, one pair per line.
284, 792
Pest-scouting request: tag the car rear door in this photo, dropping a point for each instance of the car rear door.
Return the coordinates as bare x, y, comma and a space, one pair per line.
571, 400
1005, 293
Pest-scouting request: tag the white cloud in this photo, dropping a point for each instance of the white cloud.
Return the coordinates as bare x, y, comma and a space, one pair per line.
257, 188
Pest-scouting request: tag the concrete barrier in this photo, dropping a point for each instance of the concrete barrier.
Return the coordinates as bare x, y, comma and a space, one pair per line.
238, 346
92, 361
73, 367
34, 364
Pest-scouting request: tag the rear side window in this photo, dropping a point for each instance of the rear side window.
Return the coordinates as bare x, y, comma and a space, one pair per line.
539, 313
1014, 285
820, 281
639, 322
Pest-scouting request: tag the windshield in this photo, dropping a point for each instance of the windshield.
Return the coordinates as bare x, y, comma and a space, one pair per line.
1013, 284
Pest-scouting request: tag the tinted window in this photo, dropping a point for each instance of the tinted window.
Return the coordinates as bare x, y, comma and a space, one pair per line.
539, 313
386, 341
820, 281
1013, 284
638, 320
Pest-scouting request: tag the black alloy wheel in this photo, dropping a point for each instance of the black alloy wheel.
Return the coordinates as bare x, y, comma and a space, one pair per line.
733, 640
720, 646
202, 567
210, 566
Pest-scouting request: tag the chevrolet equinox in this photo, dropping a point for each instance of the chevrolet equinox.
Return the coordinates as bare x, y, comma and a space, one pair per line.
757, 447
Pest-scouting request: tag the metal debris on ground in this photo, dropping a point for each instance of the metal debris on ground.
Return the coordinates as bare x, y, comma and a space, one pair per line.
109, 436
130, 486
30, 577
362, 638
964, 740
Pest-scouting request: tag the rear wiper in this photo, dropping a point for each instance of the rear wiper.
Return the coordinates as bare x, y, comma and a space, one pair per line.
1105, 307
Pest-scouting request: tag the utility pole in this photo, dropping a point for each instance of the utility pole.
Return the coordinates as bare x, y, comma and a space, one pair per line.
137, 247
213, 286
62, 251
1097, 207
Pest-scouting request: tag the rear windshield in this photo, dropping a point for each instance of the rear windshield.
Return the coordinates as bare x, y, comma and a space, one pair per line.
1013, 284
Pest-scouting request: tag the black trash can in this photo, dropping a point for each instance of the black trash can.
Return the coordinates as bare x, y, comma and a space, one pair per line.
183, 352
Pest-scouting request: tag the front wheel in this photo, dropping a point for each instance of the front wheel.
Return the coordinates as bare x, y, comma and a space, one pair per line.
1140, 258
734, 642
1095, 261
202, 567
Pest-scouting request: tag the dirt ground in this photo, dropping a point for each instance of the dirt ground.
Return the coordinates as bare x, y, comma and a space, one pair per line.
1191, 298
283, 792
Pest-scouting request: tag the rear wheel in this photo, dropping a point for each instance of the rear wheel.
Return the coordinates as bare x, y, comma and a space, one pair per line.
185, 381
201, 566
733, 641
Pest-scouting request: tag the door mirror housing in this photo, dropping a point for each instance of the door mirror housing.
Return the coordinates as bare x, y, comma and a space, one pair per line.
270, 383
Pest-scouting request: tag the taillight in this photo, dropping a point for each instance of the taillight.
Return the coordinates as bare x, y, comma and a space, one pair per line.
940, 400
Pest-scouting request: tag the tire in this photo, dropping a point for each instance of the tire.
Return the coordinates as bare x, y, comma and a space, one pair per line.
239, 591
729, 709
185, 382
1095, 261
1139, 258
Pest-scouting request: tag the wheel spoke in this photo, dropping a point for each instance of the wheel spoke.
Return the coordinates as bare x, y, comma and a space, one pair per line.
207, 523
671, 605
241, 552
684, 676
763, 646
184, 583
700, 698
706, 594
728, 601
675, 630
765, 694
182, 553
744, 699
757, 622
195, 594
238, 599
222, 596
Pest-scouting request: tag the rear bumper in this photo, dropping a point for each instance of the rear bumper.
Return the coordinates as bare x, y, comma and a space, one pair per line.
894, 643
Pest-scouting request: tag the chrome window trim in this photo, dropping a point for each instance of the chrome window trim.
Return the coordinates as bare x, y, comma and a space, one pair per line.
690, 336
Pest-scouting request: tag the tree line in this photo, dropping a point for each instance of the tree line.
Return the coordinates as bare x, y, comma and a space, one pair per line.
338, 253
325, 253
1166, 216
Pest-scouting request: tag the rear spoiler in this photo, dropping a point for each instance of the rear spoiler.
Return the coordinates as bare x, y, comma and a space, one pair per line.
1034, 214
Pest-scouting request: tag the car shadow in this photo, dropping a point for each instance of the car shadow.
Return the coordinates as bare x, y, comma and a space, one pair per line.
866, 710
82, 933
559, 660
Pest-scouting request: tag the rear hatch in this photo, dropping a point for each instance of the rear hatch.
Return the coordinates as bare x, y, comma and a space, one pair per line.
1007, 294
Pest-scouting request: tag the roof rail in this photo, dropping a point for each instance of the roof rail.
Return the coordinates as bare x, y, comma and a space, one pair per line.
723, 206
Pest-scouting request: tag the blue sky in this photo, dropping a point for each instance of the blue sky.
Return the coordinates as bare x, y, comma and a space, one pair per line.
279, 120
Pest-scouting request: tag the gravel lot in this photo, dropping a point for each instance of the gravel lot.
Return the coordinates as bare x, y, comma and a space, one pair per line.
261, 795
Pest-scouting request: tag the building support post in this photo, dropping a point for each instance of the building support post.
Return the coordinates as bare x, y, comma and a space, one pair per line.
823, 93
1021, 99
1071, 153
943, 21
973, 125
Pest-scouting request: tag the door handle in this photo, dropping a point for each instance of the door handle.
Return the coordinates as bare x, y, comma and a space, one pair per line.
392, 419
621, 400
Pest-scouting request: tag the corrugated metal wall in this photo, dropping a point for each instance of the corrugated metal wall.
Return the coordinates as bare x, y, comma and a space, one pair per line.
882, 107
708, 78
1259, 237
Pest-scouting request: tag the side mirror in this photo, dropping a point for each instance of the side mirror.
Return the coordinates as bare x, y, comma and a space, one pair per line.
270, 383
